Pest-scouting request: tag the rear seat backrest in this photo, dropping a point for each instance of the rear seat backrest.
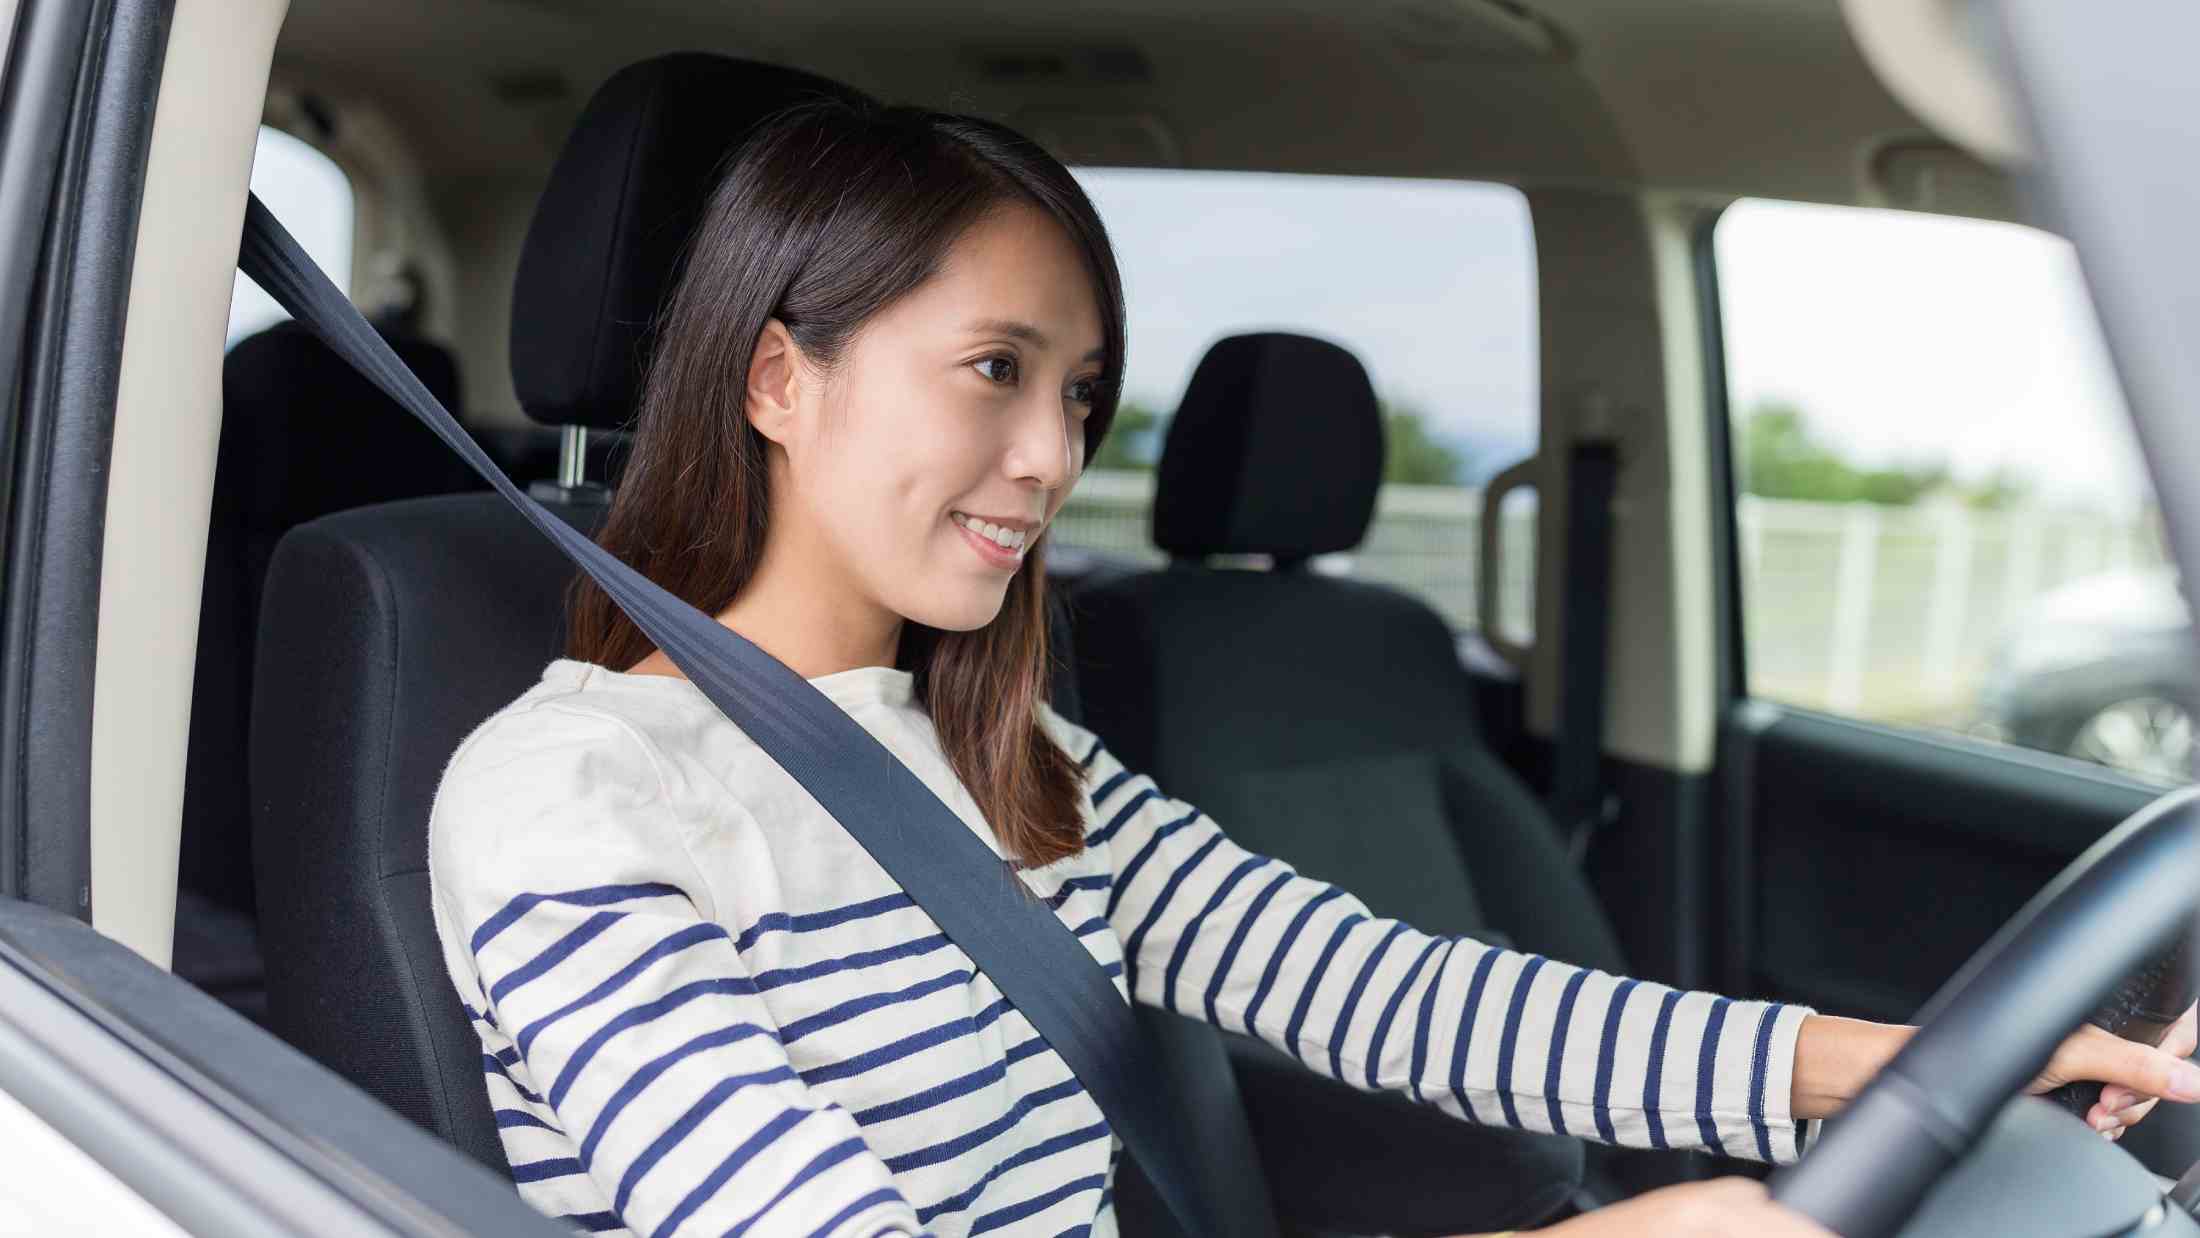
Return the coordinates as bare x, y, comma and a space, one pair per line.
302, 435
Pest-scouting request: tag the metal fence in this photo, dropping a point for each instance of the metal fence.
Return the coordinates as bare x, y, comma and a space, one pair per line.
1870, 611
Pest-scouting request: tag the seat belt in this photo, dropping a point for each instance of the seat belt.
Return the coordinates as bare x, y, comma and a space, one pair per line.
1579, 802
1028, 954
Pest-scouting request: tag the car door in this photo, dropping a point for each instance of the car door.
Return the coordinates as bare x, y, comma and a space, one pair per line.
1955, 642
129, 1101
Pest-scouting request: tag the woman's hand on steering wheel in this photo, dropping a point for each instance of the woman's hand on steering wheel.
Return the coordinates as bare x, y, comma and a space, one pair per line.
2134, 1077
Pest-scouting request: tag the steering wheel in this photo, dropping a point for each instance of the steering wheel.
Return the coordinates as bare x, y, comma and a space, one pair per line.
1988, 1032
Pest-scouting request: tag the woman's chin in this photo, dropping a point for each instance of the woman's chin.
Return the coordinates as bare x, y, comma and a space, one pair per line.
968, 612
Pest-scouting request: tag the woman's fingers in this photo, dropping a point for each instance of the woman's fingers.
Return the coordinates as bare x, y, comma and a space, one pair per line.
2094, 1054
2184, 1037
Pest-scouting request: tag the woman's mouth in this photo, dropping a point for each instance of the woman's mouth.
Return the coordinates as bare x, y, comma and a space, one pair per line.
1001, 546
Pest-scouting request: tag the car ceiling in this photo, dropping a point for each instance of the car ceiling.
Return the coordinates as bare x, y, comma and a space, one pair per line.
1716, 97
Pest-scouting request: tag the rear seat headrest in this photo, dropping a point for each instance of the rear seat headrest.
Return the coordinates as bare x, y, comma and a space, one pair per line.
1277, 449
623, 197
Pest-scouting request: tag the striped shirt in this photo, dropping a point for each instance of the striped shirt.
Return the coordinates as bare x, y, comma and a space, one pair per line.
704, 1009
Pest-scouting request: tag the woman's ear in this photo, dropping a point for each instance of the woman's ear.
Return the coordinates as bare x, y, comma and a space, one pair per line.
775, 382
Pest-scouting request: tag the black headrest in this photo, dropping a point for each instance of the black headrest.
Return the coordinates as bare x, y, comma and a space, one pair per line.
623, 197
1277, 449
304, 434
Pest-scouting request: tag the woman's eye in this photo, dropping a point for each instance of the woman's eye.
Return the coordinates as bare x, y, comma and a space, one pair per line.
997, 369
1084, 392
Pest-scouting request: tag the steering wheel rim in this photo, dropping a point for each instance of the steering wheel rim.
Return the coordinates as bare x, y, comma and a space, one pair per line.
1990, 1029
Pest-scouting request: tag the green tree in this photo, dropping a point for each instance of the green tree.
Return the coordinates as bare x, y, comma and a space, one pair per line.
1778, 456
1412, 455
1134, 439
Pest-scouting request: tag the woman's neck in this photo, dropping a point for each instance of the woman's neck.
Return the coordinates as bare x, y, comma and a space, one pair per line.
801, 607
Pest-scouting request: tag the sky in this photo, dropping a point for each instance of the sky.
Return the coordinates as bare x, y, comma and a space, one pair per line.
1904, 338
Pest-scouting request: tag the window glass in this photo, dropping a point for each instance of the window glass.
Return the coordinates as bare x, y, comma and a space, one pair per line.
1942, 515
1430, 283
310, 194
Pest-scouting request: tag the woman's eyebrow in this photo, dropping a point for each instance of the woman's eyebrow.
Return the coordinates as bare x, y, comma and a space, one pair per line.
1029, 334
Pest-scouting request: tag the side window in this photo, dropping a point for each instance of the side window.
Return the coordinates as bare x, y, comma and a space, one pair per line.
313, 198
1430, 283
1942, 516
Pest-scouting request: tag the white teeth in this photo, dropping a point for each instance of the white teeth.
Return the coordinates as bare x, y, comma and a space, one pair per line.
1000, 535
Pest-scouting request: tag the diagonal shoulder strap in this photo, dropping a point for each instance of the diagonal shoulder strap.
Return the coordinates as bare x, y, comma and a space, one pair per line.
1031, 956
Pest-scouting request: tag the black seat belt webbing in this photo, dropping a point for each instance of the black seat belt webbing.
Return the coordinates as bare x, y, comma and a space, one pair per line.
1028, 954
1578, 800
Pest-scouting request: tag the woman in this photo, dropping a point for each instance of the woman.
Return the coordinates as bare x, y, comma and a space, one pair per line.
705, 1009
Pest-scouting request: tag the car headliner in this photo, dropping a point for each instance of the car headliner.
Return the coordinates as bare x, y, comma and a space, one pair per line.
1711, 97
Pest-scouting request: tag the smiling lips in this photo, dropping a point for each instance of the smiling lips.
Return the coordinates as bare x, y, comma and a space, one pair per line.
999, 543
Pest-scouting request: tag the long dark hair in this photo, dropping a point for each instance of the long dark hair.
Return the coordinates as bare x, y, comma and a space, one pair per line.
829, 214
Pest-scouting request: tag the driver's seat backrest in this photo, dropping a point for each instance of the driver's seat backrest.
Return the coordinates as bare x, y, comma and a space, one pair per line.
388, 633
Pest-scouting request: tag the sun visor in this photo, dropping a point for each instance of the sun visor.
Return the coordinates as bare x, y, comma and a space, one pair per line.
1933, 56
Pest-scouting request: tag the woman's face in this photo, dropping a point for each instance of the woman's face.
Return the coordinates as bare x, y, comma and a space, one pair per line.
954, 423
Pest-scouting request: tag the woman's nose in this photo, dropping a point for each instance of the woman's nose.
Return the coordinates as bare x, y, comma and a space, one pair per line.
1045, 447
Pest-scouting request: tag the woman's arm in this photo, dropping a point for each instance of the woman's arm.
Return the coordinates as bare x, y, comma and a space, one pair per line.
631, 1058
1835, 1058
1496, 1036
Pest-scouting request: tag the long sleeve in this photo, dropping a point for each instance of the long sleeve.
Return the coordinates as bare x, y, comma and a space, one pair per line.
1490, 1035
617, 1015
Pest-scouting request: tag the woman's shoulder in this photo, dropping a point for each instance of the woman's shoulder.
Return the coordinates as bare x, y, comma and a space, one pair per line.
572, 776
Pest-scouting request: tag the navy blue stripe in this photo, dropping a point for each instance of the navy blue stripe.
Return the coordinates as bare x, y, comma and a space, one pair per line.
1654, 1069
593, 1222
677, 1133
1230, 952
1090, 881
490, 1065
1801, 1129
1509, 1039
1160, 904
1190, 934
507, 1057
737, 986
1090, 757
1038, 1151
555, 953
1145, 853
1107, 788
657, 1066
509, 1118
1312, 980
1608, 1059
1390, 1012
595, 896
949, 1149
765, 1136
1466, 1030
854, 1006
1283, 948
1093, 925
1760, 1062
819, 1164
916, 1042
1352, 1001
1040, 1203
692, 935
1707, 1060
811, 921
884, 1194
917, 1102
1558, 1049
913, 948
1427, 1017
536, 1171
1123, 814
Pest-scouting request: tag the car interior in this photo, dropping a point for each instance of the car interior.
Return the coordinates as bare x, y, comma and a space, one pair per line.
307, 601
